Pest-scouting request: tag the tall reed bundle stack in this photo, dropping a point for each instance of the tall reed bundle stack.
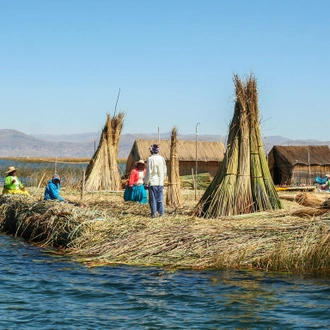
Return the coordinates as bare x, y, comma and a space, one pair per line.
243, 183
173, 194
102, 171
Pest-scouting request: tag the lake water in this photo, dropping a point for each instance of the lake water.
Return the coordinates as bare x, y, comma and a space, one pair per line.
38, 166
39, 290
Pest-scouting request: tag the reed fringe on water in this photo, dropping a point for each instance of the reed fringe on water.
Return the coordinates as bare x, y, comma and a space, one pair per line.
110, 231
102, 171
173, 193
243, 183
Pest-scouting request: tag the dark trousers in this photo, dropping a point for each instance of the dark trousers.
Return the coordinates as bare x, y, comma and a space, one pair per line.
156, 200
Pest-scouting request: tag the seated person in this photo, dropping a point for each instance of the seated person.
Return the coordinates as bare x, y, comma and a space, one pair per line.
326, 185
135, 190
12, 184
53, 189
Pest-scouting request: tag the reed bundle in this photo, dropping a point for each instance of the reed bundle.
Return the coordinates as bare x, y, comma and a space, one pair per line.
102, 171
109, 231
312, 200
243, 184
173, 193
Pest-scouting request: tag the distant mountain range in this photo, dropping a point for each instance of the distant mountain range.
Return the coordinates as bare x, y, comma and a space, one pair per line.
17, 144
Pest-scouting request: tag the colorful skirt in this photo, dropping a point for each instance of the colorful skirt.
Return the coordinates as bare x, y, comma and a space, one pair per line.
14, 191
136, 194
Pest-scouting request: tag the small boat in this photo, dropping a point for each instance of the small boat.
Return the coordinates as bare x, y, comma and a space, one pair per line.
296, 188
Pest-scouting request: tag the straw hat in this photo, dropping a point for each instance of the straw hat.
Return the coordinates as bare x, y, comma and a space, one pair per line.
10, 169
327, 175
141, 161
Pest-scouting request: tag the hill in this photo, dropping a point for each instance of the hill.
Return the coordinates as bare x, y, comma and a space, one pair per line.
14, 143
17, 144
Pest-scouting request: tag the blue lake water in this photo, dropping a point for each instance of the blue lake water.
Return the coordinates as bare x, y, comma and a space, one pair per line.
39, 290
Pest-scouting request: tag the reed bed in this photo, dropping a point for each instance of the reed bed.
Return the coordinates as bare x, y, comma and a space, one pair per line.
63, 160
110, 231
38, 174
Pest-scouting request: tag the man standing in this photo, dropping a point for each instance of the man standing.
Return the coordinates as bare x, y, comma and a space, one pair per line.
154, 180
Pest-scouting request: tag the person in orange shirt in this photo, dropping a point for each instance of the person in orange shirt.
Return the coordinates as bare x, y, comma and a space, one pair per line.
135, 190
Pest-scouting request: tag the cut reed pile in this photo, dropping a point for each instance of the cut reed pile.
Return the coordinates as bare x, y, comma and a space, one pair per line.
110, 231
313, 200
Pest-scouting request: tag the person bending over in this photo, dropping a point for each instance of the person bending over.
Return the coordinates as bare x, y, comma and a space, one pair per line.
52, 190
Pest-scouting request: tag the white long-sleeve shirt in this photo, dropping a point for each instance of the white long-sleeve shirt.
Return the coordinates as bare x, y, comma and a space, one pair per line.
156, 171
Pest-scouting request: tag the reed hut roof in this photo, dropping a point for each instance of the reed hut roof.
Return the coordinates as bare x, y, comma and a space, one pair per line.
207, 151
293, 155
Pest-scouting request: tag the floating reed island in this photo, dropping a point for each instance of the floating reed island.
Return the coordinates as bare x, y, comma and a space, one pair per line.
110, 231
240, 221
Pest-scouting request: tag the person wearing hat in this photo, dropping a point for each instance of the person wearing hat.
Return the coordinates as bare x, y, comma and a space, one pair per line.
135, 191
12, 184
154, 180
52, 190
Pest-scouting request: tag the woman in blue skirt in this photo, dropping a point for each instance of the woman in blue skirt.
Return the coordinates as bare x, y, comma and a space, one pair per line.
135, 190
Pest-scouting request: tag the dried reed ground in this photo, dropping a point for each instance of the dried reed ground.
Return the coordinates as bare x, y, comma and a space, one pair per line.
110, 231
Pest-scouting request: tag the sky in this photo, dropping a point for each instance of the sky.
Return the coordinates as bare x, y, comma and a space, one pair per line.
63, 63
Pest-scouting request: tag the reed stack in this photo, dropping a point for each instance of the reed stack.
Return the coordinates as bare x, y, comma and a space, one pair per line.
243, 183
102, 171
173, 194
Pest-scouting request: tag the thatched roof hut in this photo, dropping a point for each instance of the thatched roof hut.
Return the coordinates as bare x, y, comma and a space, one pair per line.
293, 164
209, 155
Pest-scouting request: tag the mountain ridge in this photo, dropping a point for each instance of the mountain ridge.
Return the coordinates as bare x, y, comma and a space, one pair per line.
14, 143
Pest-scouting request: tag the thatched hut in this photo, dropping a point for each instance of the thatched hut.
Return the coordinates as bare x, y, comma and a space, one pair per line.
298, 164
102, 171
209, 155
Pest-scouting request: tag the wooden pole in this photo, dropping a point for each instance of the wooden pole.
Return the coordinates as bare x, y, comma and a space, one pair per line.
55, 165
196, 161
114, 113
309, 166
83, 185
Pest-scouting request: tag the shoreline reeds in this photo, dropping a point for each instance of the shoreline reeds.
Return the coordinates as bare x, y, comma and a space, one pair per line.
109, 231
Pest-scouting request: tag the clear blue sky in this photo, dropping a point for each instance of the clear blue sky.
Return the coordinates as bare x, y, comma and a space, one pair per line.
62, 63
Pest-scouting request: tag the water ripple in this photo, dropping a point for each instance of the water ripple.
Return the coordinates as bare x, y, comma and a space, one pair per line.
41, 291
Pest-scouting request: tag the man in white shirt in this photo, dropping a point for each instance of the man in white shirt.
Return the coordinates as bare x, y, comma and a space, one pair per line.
154, 180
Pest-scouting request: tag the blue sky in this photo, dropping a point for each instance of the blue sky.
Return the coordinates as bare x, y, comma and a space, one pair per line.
62, 63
